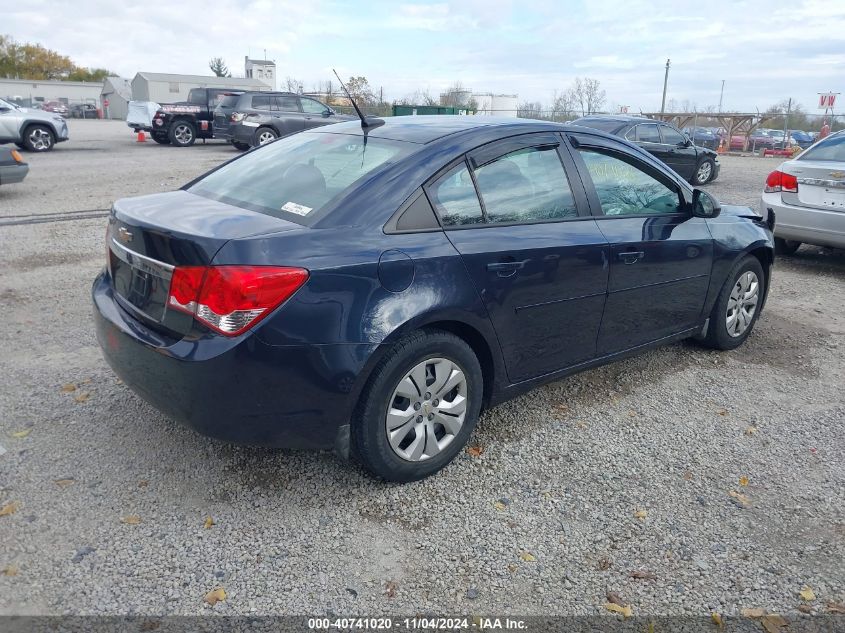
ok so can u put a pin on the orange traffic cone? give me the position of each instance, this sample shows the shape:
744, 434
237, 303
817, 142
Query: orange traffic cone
142, 138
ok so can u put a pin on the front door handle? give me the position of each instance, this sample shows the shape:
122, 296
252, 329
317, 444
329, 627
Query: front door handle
631, 257
506, 269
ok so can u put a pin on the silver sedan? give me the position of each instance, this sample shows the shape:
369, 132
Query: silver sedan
807, 195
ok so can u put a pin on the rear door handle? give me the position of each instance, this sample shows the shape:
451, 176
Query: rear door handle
506, 269
631, 257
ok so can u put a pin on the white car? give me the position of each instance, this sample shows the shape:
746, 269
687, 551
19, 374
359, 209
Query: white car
807, 195
34, 130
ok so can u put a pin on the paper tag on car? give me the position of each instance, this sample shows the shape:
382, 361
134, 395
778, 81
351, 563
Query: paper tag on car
298, 209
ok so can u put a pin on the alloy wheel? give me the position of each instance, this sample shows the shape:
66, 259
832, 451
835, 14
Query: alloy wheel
742, 303
266, 137
183, 134
427, 409
704, 172
40, 139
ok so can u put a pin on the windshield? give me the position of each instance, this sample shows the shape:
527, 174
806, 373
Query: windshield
832, 148
298, 175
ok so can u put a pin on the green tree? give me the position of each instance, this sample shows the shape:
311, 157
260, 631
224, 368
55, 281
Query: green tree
90, 74
32, 61
360, 90
218, 67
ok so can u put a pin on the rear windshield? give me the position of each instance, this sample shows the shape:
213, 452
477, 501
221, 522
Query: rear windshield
296, 176
831, 148
600, 124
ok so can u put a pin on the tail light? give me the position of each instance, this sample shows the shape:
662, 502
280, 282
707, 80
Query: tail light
237, 116
232, 299
781, 181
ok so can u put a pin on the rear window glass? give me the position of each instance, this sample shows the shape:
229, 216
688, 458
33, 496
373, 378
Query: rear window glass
229, 101
296, 176
600, 124
831, 148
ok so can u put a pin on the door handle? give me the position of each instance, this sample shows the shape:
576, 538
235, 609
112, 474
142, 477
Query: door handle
631, 257
506, 269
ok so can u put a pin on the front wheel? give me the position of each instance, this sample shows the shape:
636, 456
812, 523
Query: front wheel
704, 172
419, 408
182, 134
38, 138
738, 306
786, 247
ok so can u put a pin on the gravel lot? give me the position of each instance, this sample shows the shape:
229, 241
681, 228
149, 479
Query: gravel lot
626, 468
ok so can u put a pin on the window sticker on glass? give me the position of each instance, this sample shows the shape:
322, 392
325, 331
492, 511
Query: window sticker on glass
298, 209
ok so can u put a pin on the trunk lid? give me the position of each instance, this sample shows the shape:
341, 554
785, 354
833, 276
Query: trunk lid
821, 184
150, 235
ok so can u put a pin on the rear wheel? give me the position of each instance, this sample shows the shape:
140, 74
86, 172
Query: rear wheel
264, 135
786, 247
738, 306
160, 138
38, 138
703, 172
419, 408
182, 134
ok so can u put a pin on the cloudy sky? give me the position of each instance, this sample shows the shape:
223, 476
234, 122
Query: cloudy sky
765, 50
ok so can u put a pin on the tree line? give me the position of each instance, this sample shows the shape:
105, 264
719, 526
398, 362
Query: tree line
33, 61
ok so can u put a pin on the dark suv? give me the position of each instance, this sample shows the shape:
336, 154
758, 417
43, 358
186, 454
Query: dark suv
256, 118
697, 165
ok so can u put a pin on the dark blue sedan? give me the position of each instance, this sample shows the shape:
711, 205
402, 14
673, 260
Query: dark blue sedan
372, 289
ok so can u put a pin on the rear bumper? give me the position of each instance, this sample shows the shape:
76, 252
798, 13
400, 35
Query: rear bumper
11, 174
240, 133
805, 224
239, 390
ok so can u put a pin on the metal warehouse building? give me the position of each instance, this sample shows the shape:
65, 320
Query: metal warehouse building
25, 92
116, 95
167, 88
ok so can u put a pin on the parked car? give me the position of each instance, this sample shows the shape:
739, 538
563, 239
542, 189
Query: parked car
703, 137
807, 195
373, 288
56, 107
801, 139
698, 165
84, 111
13, 169
34, 130
182, 123
259, 118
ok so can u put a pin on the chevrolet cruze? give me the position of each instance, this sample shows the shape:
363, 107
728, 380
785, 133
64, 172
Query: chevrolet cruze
372, 287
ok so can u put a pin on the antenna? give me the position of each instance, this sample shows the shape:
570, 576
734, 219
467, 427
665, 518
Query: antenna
374, 122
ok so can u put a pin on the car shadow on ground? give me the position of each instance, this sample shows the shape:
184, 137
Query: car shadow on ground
814, 259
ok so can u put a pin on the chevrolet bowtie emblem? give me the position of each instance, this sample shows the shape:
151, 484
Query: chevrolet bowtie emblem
124, 235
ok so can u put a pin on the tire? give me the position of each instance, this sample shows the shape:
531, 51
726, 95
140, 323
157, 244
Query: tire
704, 172
722, 332
786, 247
182, 134
38, 138
241, 146
160, 138
439, 446
264, 135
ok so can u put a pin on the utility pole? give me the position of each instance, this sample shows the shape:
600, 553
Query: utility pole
665, 81
786, 124
721, 94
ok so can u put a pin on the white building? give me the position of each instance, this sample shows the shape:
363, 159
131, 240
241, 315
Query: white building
115, 97
496, 105
25, 92
167, 88
263, 69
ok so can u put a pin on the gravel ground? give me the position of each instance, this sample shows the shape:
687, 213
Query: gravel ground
638, 466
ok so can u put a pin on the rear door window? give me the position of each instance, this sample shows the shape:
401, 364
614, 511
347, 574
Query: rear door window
454, 197
286, 103
648, 133
528, 185
261, 102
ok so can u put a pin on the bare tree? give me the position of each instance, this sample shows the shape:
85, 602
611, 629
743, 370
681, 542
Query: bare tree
564, 104
456, 95
294, 85
530, 110
418, 97
589, 95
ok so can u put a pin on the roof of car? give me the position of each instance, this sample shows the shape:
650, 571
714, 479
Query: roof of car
427, 128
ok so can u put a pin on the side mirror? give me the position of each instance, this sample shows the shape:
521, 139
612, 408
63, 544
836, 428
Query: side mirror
704, 205
687, 142
328, 112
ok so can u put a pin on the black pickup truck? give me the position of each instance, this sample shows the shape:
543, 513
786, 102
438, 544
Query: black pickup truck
182, 123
